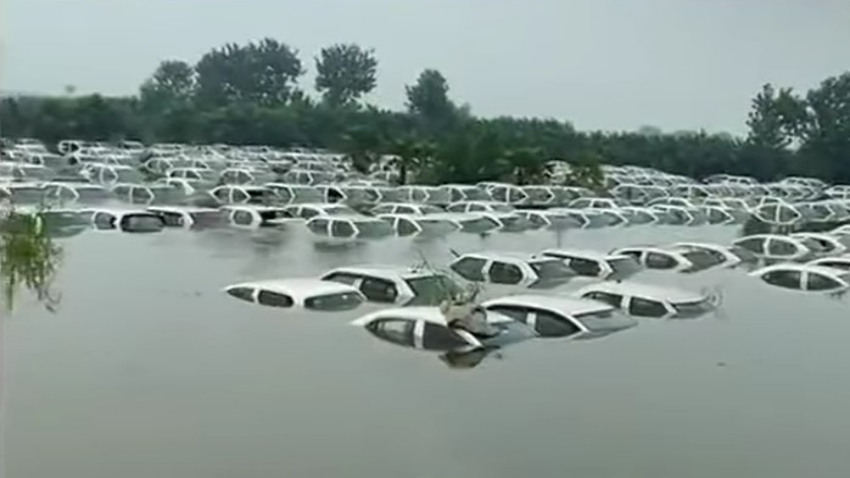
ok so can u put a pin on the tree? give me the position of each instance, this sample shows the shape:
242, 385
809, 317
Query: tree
529, 165
172, 83
363, 145
770, 125
344, 73
822, 123
411, 155
429, 100
261, 73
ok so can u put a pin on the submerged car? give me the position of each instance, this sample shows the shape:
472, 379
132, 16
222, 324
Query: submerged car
125, 220
559, 316
596, 264
349, 227
643, 300
805, 277
305, 294
512, 269
397, 285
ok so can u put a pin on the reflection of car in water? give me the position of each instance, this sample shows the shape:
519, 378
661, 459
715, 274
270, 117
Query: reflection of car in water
397, 285
304, 294
425, 328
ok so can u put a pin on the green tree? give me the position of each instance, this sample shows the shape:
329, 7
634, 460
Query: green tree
344, 73
363, 146
411, 156
263, 73
428, 99
528, 163
822, 123
173, 83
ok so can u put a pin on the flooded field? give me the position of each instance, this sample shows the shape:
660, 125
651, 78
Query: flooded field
149, 370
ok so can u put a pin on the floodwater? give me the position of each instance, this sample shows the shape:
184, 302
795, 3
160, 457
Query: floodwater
149, 370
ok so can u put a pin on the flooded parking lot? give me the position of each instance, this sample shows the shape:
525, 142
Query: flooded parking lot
149, 369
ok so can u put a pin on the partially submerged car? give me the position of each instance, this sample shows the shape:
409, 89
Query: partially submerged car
252, 216
559, 316
643, 300
777, 246
403, 286
805, 277
512, 269
414, 225
189, 217
829, 243
425, 328
292, 294
124, 220
349, 227
588, 263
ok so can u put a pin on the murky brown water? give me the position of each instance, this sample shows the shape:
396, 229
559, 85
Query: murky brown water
148, 370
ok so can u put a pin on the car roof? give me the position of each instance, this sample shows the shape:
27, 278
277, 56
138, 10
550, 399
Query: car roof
182, 209
584, 254
794, 266
648, 291
390, 272
559, 304
298, 288
429, 314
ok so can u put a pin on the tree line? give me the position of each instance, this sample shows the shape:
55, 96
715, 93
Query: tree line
250, 94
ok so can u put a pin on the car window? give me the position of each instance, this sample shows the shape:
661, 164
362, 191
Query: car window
318, 226
520, 314
647, 308
817, 281
334, 302
789, 279
470, 268
438, 337
222, 194
238, 196
243, 218
104, 220
752, 244
614, 300
657, 260
342, 229
780, 247
397, 331
171, 219
242, 293
547, 324
504, 273
274, 299
584, 267
342, 278
141, 195
406, 227
379, 290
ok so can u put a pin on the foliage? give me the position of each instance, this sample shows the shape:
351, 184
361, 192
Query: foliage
248, 94
344, 73
28, 258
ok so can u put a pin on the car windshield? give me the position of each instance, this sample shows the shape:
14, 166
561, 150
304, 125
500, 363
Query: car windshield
605, 320
501, 207
207, 175
479, 225
432, 290
210, 218
427, 209
333, 302
475, 194
374, 229
538, 194
813, 245
306, 195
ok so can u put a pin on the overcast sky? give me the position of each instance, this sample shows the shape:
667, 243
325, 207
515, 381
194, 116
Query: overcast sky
602, 64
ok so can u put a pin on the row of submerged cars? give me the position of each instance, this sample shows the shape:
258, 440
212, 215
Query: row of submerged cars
412, 300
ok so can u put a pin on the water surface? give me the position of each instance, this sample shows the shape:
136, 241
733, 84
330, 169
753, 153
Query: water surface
149, 370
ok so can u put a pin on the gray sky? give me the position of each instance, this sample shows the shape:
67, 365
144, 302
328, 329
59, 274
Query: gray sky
602, 64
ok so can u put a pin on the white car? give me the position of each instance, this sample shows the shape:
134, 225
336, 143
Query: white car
560, 316
725, 256
595, 264
777, 246
406, 208
805, 277
829, 243
425, 328
253, 216
124, 220
397, 285
512, 269
305, 294
643, 300
427, 225
311, 210
839, 262
349, 227
188, 217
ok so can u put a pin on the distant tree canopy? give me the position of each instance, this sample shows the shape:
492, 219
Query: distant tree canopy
250, 94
